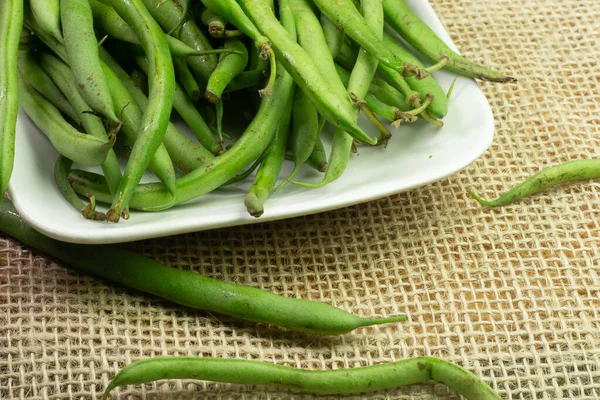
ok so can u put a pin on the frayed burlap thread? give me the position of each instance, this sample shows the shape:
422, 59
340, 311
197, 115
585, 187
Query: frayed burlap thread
512, 294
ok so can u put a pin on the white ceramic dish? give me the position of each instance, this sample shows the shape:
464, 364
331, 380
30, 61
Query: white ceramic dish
417, 155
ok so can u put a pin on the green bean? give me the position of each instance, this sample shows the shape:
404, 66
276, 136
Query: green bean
232, 11
140, 79
230, 65
188, 288
184, 76
47, 14
82, 51
109, 22
187, 110
388, 112
161, 84
185, 154
160, 163
245, 80
253, 142
369, 379
358, 85
11, 22
305, 132
439, 105
83, 149
169, 15
216, 23
424, 40
572, 171
270, 167
40, 81
336, 109
334, 36
61, 173
63, 77
345, 14
318, 157
312, 39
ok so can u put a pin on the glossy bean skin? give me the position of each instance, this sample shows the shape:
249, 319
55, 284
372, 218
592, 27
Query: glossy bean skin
344, 14
369, 379
216, 23
252, 143
424, 40
336, 109
11, 23
230, 66
571, 171
47, 13
169, 15
82, 148
110, 23
161, 84
82, 52
185, 154
62, 75
190, 114
186, 288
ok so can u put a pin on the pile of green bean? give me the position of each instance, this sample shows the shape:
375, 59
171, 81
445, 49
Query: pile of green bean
103, 79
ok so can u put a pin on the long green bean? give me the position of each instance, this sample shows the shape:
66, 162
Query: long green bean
11, 24
334, 382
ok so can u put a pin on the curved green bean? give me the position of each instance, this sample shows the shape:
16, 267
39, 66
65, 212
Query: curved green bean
345, 14
47, 14
216, 23
337, 110
571, 171
439, 106
188, 288
424, 40
82, 52
63, 77
169, 15
40, 81
318, 157
11, 24
190, 114
161, 84
253, 142
61, 177
333, 382
108, 21
83, 149
230, 66
232, 11
185, 154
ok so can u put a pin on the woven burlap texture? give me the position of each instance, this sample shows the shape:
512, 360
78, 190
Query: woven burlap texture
512, 294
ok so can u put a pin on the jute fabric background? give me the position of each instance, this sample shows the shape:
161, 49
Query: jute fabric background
512, 294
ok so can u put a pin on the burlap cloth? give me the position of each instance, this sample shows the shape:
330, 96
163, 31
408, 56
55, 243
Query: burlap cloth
513, 294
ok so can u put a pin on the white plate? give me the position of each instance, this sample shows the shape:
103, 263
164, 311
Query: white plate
417, 155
